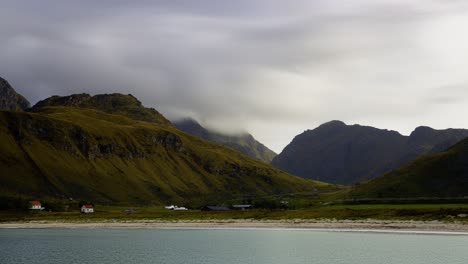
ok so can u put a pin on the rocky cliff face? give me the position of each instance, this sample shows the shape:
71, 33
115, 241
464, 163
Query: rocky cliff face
244, 143
338, 153
80, 143
9, 99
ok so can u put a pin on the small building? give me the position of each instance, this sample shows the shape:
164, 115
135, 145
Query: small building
241, 206
215, 208
175, 208
36, 205
87, 208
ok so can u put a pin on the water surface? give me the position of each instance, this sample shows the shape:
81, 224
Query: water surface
226, 246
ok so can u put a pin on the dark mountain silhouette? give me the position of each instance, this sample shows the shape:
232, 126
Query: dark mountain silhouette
347, 154
245, 143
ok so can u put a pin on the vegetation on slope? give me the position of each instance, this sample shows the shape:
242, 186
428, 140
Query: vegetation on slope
441, 174
83, 153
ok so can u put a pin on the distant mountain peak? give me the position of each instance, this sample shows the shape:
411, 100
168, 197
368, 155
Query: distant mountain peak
244, 143
333, 123
188, 121
346, 154
422, 130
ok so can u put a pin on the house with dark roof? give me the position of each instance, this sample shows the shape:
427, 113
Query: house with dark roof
215, 208
241, 206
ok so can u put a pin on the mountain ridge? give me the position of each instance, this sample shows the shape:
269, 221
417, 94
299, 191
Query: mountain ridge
80, 152
347, 154
245, 143
115, 103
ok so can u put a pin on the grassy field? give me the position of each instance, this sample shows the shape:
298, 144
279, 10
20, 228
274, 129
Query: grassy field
444, 212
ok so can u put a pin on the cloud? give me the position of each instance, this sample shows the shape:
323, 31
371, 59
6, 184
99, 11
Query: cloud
267, 67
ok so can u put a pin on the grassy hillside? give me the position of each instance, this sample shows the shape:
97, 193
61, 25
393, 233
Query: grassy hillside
82, 153
441, 174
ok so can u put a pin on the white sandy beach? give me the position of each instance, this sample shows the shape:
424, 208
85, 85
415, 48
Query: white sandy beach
331, 225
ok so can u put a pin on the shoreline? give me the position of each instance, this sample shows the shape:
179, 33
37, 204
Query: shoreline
369, 225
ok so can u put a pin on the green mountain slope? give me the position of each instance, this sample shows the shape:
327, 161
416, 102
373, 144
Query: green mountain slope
348, 154
441, 174
245, 143
84, 153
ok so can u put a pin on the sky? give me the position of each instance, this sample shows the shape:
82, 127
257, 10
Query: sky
272, 68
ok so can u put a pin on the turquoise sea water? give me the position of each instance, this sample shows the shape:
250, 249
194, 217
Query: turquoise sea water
226, 246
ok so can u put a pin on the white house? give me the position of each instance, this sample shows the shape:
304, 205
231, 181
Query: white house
87, 208
36, 205
175, 208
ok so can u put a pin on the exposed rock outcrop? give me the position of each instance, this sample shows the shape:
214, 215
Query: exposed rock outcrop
10, 100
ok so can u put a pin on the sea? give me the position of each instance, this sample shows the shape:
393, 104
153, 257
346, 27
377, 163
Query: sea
225, 246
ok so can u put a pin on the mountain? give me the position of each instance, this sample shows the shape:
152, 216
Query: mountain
440, 174
347, 154
245, 143
120, 104
10, 100
89, 147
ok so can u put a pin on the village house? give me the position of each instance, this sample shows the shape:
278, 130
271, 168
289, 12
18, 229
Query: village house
215, 208
36, 205
175, 208
87, 208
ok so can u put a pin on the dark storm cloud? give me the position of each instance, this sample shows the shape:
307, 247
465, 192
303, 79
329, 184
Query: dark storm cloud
274, 68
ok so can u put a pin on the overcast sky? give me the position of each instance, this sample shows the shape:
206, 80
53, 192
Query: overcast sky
273, 68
